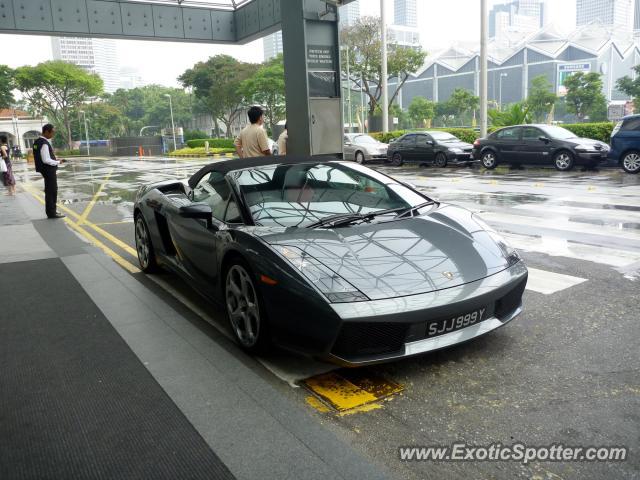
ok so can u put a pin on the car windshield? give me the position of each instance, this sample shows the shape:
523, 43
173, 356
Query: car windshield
559, 133
444, 137
303, 194
364, 140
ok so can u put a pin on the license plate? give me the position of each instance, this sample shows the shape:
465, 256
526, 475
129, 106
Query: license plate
454, 323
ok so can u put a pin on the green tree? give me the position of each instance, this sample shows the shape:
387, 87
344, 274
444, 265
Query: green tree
217, 85
104, 121
148, 105
462, 103
516, 114
631, 86
6, 87
266, 87
421, 111
584, 96
364, 51
541, 98
54, 88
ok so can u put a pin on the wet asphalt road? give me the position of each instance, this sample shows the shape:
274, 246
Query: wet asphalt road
566, 371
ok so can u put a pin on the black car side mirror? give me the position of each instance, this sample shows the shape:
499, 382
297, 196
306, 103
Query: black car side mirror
544, 139
200, 211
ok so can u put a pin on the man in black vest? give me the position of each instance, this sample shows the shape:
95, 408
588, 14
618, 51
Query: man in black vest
47, 165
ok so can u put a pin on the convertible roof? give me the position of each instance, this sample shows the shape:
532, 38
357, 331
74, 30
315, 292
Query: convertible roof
226, 166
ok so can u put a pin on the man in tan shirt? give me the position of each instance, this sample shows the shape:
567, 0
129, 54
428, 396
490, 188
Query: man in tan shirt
253, 140
282, 141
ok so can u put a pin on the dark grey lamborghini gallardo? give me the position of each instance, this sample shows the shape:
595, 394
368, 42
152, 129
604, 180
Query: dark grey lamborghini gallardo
330, 258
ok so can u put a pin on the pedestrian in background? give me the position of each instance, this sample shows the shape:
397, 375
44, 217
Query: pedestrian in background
253, 140
47, 164
282, 141
8, 178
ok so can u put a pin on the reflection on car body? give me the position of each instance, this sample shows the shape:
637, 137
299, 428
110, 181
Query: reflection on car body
361, 290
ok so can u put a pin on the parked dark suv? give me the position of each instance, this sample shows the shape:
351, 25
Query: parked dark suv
438, 148
625, 144
539, 145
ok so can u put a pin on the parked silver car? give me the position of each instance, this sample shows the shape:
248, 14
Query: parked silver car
362, 148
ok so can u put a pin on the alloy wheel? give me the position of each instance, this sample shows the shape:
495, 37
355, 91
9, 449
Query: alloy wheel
396, 160
360, 157
489, 160
563, 161
243, 306
631, 162
143, 246
441, 160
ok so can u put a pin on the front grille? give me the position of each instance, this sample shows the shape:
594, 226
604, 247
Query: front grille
506, 305
367, 338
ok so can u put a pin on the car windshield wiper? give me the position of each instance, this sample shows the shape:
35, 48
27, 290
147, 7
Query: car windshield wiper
410, 210
342, 219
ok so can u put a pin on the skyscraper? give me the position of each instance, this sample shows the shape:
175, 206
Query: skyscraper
405, 13
618, 13
404, 30
636, 17
519, 16
94, 55
349, 14
272, 45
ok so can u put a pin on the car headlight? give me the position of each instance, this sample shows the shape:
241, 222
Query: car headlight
510, 253
455, 150
585, 147
332, 285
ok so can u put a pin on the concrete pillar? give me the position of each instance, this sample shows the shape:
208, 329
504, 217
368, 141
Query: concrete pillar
312, 77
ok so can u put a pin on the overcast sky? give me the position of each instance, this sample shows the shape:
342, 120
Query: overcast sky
441, 23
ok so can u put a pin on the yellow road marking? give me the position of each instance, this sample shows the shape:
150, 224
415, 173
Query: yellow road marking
104, 233
121, 222
317, 404
117, 258
92, 203
350, 389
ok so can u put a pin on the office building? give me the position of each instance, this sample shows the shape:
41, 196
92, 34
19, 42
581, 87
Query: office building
94, 55
614, 13
405, 13
516, 17
272, 45
349, 14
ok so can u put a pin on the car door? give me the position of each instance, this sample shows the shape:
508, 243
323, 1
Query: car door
349, 148
533, 150
194, 241
506, 142
407, 147
424, 149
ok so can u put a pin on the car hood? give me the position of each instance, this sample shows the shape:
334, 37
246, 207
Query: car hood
372, 148
443, 249
462, 145
585, 141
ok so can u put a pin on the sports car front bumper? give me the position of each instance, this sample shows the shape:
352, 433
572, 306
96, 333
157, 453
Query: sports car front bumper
385, 330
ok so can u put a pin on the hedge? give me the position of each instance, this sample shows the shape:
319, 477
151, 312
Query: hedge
597, 131
200, 151
213, 143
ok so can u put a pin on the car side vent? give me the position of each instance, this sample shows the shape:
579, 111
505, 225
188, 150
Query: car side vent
163, 227
368, 338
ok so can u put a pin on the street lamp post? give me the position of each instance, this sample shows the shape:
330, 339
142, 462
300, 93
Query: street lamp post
86, 131
502, 75
484, 35
349, 94
383, 80
173, 127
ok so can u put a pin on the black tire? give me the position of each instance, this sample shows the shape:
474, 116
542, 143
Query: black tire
144, 246
359, 157
245, 308
440, 160
396, 159
564, 161
631, 162
489, 159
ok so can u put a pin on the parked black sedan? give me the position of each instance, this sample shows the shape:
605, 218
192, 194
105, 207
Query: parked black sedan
435, 147
539, 145
330, 258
